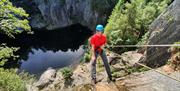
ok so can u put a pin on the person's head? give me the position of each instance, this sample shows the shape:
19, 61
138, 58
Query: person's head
99, 28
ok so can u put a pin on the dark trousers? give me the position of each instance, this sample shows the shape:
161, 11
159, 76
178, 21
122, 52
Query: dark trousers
105, 61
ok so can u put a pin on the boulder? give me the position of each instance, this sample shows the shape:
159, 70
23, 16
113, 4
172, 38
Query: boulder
46, 78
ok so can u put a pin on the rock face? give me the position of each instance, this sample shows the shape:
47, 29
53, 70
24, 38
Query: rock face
51, 14
150, 81
164, 30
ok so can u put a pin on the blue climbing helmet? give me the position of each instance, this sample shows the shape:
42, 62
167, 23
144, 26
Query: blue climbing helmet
99, 28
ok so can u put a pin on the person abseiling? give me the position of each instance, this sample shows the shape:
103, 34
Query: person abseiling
98, 41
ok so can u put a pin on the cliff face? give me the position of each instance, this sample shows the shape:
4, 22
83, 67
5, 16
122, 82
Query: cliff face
51, 14
164, 30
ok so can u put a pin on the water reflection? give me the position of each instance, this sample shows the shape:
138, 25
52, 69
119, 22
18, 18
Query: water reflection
55, 48
38, 60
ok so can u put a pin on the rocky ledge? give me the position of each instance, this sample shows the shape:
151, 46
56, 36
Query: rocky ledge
150, 80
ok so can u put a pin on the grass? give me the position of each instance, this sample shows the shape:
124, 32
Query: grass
136, 69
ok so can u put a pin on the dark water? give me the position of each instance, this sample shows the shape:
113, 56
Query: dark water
55, 48
39, 60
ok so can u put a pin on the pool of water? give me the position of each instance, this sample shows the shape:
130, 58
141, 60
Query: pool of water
49, 48
38, 60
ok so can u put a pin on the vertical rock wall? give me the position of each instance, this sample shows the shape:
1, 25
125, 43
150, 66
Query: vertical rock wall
164, 30
51, 14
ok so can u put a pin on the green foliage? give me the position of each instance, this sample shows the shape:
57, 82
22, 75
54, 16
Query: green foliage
12, 19
87, 53
144, 39
87, 57
67, 73
10, 81
137, 69
119, 74
175, 48
130, 20
27, 78
6, 53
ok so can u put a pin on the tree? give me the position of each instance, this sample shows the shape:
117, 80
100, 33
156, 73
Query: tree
12, 19
130, 20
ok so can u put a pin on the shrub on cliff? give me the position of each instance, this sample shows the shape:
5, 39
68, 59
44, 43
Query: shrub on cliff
10, 81
67, 73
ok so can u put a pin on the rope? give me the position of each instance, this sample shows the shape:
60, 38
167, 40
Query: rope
150, 68
162, 45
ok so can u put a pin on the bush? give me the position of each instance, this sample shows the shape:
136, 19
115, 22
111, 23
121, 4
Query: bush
67, 73
87, 57
6, 53
10, 81
87, 53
